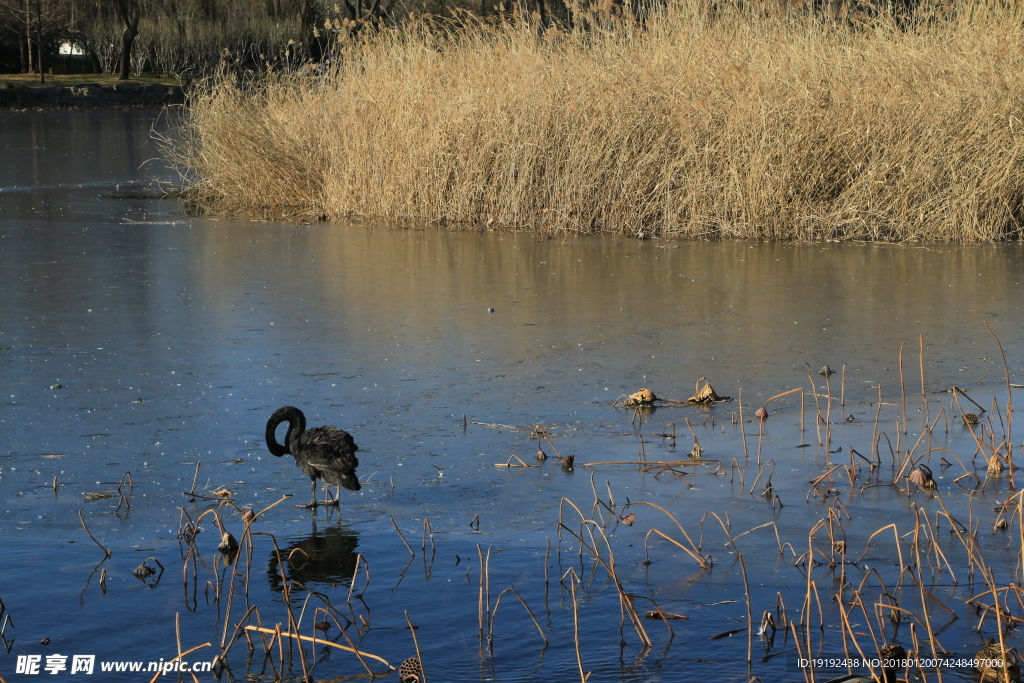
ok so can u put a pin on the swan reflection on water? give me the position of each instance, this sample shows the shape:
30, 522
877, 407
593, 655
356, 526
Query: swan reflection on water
327, 557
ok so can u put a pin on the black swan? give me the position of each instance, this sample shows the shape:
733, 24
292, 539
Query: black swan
326, 453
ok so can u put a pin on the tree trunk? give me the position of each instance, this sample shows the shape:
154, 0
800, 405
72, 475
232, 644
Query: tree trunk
39, 57
129, 11
127, 40
94, 61
28, 37
23, 54
39, 42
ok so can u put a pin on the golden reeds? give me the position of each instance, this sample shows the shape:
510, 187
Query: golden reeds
761, 125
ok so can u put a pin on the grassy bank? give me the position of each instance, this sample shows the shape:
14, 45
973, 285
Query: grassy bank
32, 80
772, 126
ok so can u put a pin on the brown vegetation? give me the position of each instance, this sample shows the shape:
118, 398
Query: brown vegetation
771, 126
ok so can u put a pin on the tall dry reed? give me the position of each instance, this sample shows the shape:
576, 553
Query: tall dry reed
751, 125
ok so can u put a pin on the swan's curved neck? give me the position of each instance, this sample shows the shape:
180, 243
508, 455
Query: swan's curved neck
296, 425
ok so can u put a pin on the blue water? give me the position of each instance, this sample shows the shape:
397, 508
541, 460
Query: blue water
173, 337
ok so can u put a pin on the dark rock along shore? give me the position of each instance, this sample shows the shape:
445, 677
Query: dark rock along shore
127, 94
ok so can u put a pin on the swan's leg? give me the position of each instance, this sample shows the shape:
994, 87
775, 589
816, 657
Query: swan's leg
312, 503
331, 500
336, 502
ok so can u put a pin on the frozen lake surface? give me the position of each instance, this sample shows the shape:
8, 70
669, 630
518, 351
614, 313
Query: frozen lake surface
135, 338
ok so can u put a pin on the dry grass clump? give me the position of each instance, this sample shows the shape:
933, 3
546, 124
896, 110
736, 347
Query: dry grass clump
763, 125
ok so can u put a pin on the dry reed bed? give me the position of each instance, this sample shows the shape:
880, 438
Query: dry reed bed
737, 127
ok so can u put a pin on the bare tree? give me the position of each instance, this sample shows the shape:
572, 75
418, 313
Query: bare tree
129, 11
36, 23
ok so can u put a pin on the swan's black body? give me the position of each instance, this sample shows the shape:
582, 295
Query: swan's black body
325, 453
